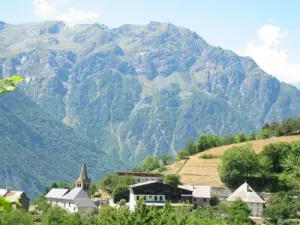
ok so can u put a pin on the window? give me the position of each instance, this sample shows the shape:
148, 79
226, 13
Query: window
138, 180
155, 198
69, 204
150, 196
204, 199
137, 197
160, 198
74, 209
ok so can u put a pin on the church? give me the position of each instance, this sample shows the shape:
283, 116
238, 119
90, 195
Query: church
75, 200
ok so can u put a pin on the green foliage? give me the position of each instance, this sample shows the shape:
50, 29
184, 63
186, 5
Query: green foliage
214, 201
150, 163
120, 192
111, 181
208, 156
9, 84
181, 155
238, 164
282, 206
228, 140
122, 202
205, 142
172, 179
16, 217
241, 137
239, 213
165, 160
168, 215
4, 205
275, 155
40, 136
251, 136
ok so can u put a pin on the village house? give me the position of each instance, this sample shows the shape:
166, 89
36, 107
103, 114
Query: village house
248, 195
18, 199
156, 194
201, 194
142, 177
77, 199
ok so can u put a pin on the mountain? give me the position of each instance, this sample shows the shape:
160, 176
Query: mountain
37, 149
140, 89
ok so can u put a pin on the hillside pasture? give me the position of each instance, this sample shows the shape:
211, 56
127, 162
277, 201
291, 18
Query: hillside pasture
205, 172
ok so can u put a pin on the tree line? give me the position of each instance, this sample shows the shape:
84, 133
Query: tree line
274, 129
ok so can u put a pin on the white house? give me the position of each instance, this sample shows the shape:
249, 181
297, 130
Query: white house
140, 177
248, 195
75, 200
201, 194
156, 194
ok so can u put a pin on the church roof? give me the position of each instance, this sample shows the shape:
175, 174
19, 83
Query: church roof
83, 174
246, 194
75, 193
79, 197
56, 193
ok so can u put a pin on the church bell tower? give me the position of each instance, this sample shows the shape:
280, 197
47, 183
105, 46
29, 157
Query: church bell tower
83, 181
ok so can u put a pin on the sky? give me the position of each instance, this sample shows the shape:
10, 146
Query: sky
266, 30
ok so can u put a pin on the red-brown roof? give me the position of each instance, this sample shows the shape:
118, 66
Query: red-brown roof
139, 174
11, 193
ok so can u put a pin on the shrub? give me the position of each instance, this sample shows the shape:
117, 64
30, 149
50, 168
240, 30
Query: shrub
208, 156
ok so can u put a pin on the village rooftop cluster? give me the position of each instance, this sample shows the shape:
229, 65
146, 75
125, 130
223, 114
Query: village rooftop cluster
148, 186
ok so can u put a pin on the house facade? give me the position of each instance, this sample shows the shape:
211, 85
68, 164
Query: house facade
16, 197
140, 177
201, 194
248, 195
156, 194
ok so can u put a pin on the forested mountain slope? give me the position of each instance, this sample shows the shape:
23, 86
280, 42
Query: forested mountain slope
37, 150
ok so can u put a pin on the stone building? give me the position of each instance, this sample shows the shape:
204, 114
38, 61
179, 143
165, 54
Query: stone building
83, 181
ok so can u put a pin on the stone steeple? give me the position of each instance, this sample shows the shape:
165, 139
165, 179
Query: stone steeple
83, 181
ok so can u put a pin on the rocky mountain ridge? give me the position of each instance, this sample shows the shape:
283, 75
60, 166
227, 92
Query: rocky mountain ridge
141, 89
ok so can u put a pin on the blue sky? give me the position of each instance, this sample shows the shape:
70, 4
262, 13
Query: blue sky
266, 30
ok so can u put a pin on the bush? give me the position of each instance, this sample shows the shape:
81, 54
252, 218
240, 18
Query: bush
208, 156
120, 192
172, 179
122, 202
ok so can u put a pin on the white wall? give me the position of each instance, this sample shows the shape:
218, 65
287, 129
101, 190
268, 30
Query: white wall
133, 198
256, 208
71, 207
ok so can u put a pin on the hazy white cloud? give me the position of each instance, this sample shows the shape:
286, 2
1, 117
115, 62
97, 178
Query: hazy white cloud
43, 8
54, 9
270, 56
74, 15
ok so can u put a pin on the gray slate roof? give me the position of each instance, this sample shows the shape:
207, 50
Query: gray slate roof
75, 193
56, 193
79, 197
198, 191
246, 194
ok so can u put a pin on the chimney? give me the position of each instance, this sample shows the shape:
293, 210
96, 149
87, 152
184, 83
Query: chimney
8, 188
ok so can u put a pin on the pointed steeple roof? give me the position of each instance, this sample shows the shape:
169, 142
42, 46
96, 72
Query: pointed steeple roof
83, 174
246, 194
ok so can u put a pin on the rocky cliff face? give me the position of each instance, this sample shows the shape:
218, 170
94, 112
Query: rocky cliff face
137, 90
